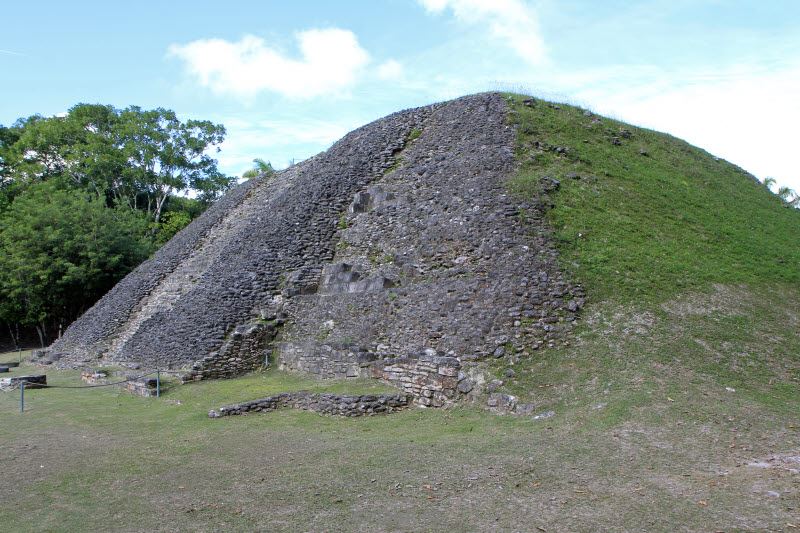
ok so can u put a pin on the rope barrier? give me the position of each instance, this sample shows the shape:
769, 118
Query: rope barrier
17, 384
21, 384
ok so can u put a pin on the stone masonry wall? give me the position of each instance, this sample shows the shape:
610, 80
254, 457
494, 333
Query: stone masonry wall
432, 381
227, 266
398, 254
244, 351
433, 257
323, 403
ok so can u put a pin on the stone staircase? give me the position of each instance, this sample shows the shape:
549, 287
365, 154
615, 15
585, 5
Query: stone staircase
183, 279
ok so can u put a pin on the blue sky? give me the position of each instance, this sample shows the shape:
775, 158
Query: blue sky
289, 78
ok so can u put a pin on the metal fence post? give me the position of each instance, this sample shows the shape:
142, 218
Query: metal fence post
21, 396
158, 383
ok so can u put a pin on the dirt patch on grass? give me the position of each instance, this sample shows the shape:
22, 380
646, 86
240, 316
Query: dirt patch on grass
789, 462
725, 300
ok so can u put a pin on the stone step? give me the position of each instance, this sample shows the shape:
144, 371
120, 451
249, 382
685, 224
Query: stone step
180, 281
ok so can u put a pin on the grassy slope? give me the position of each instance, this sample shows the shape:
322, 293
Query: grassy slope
690, 264
637, 227
692, 276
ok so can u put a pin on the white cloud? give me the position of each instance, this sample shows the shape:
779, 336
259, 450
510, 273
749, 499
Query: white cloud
390, 70
510, 21
330, 62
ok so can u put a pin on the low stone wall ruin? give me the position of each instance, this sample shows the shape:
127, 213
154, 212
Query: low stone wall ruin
147, 387
323, 403
431, 380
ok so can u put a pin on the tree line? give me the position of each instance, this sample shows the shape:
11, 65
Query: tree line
86, 197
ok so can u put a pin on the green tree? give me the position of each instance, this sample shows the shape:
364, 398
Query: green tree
86, 196
60, 250
9, 188
178, 213
166, 156
129, 157
260, 168
171, 223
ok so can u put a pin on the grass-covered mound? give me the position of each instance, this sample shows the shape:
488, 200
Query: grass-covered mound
641, 215
691, 265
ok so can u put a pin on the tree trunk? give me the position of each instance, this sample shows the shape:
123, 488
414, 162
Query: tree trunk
40, 331
14, 338
157, 211
159, 206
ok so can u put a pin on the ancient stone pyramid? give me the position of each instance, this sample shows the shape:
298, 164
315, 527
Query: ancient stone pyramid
398, 254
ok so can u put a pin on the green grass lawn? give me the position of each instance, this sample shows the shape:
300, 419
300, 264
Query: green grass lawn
645, 437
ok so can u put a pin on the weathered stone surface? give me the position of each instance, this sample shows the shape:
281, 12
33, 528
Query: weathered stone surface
465, 386
428, 378
146, 387
502, 403
93, 377
384, 256
219, 272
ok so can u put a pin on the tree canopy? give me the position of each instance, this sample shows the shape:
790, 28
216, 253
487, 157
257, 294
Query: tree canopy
60, 250
131, 156
85, 197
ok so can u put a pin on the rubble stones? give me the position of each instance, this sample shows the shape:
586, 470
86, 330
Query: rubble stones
146, 387
502, 403
465, 386
493, 385
93, 377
